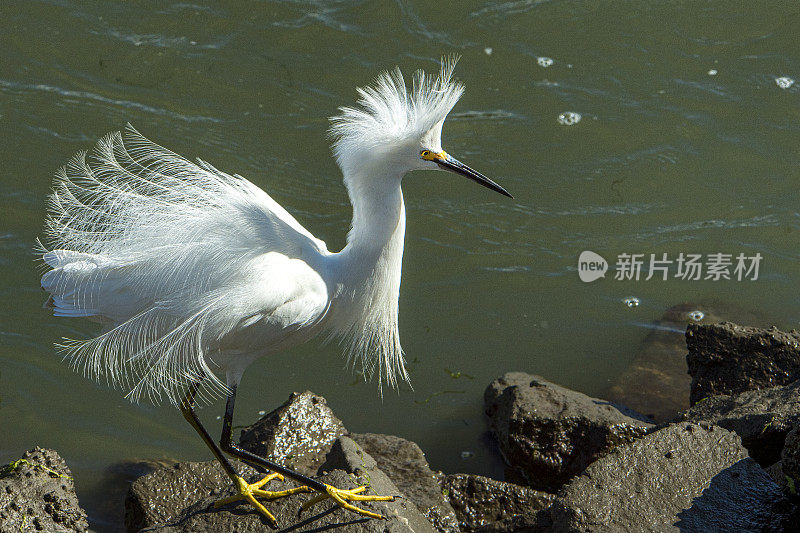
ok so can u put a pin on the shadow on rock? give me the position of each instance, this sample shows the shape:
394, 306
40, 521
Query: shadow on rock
739, 498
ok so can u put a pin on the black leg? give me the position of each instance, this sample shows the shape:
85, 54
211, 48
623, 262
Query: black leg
246, 491
187, 408
227, 444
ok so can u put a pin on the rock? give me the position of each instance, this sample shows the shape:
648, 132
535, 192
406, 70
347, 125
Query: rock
484, 504
729, 359
348, 456
160, 496
761, 418
297, 435
181, 499
548, 434
775, 473
657, 381
242, 518
405, 464
37, 493
790, 456
111, 492
686, 477
457, 502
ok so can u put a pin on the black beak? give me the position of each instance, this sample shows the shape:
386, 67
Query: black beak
452, 164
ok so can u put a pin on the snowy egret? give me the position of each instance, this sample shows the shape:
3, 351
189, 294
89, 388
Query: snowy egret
195, 273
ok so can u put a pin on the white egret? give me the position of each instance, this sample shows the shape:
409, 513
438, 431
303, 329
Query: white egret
195, 273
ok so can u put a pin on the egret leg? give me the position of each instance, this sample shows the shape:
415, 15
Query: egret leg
247, 491
342, 497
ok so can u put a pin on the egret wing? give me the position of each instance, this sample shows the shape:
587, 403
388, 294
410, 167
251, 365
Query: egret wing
150, 242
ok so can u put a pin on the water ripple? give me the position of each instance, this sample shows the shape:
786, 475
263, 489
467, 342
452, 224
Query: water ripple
752, 222
23, 88
504, 9
495, 114
158, 40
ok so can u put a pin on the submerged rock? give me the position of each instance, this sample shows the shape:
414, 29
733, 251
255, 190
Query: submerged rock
37, 493
113, 489
657, 381
484, 504
548, 434
686, 477
728, 359
297, 435
761, 418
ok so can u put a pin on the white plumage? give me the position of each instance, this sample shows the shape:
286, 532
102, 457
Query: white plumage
196, 272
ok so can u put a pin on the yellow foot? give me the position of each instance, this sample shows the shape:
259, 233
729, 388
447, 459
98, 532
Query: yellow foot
251, 491
342, 497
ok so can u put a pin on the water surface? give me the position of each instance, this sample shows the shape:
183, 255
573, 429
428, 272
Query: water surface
686, 143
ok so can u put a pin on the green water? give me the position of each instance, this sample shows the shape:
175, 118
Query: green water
686, 144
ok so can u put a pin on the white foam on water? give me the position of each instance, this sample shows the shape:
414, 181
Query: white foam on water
569, 118
631, 301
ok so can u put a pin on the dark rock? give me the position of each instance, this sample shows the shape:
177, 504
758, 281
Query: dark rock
548, 433
520, 524
183, 499
762, 418
686, 477
160, 496
776, 474
37, 493
657, 381
324, 516
296, 435
790, 456
484, 504
729, 359
405, 464
348, 456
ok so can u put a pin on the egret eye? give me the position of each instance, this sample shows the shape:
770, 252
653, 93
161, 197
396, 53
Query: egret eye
425, 154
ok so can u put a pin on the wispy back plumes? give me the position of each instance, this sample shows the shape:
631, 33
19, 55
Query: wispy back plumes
157, 247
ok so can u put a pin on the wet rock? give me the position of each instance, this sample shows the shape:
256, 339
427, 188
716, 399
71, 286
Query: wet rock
405, 464
160, 496
37, 493
297, 435
790, 456
346, 455
242, 518
181, 499
548, 434
728, 359
775, 473
686, 477
761, 418
484, 504
657, 381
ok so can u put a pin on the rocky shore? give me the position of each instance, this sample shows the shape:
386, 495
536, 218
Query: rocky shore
730, 462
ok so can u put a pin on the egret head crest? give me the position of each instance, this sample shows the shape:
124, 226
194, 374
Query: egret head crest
390, 116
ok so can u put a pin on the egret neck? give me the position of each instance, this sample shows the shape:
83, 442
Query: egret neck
372, 258
366, 273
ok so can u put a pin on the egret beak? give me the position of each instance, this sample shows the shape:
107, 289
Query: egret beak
448, 162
